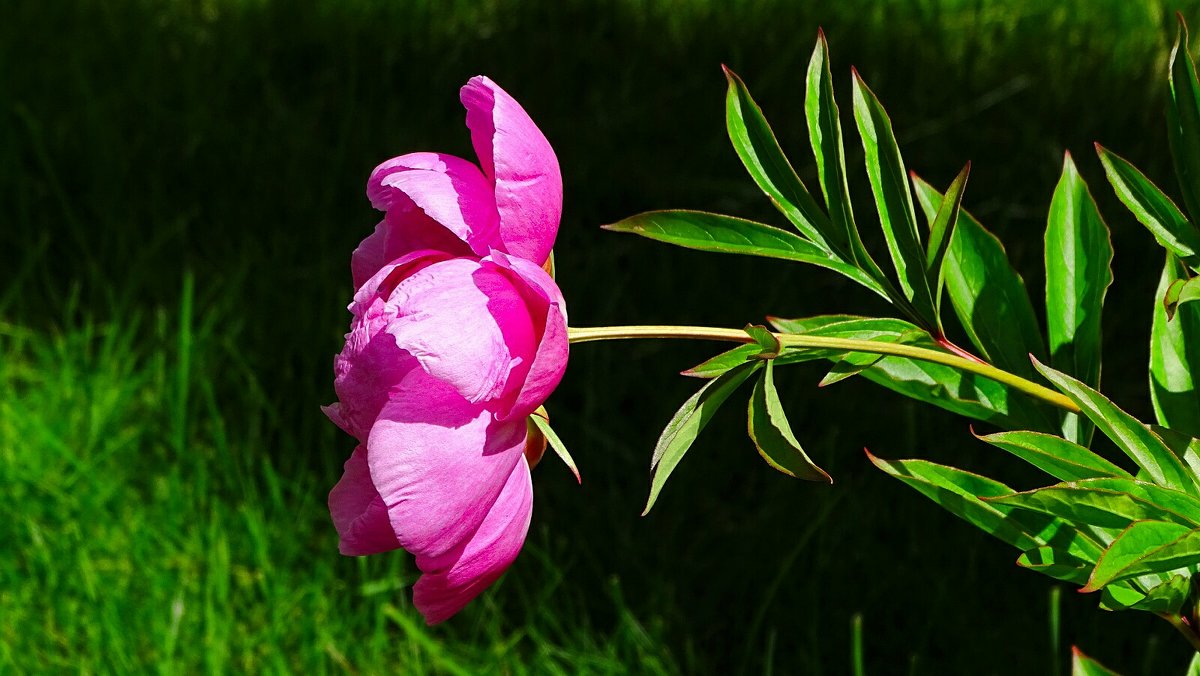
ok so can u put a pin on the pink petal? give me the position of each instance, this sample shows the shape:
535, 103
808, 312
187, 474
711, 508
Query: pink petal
519, 160
439, 463
541, 374
443, 591
450, 190
403, 230
358, 512
466, 324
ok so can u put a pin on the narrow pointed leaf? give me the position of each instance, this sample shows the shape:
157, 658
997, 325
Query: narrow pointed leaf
687, 423
1151, 207
1108, 503
1183, 121
1167, 597
1078, 274
1057, 564
825, 134
1061, 459
987, 294
1180, 292
1146, 547
1185, 446
1131, 436
726, 234
1174, 358
556, 443
848, 367
758, 149
941, 229
1082, 665
772, 434
960, 493
889, 184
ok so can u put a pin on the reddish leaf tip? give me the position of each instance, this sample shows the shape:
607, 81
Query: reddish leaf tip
1100, 150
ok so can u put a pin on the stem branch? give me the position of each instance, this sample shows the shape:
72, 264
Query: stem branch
1184, 628
789, 340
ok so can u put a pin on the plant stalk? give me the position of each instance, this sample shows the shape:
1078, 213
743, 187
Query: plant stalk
789, 340
1184, 628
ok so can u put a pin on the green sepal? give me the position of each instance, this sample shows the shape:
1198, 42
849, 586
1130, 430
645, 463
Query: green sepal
560, 449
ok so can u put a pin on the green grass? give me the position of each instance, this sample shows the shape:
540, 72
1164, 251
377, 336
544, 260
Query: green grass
180, 188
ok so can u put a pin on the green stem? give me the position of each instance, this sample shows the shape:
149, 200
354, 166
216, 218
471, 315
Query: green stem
1184, 628
585, 335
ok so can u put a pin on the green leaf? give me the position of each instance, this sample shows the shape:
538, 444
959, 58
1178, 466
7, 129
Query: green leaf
1057, 564
825, 134
1174, 357
988, 295
1061, 459
960, 493
726, 234
767, 342
1146, 547
1185, 446
889, 184
1180, 292
1183, 121
1131, 436
848, 367
1082, 665
1149, 205
758, 149
1108, 503
941, 230
1167, 597
1078, 273
772, 435
559, 447
687, 423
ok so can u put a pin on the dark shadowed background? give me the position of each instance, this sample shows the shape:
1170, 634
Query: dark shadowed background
181, 184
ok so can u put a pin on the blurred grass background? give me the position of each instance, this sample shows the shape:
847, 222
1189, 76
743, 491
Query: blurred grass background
181, 183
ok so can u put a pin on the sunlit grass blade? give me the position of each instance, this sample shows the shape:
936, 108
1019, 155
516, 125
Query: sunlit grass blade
1151, 207
1134, 438
726, 234
1058, 457
687, 423
759, 151
1183, 121
768, 427
941, 229
987, 294
1108, 503
825, 134
893, 200
1146, 547
1078, 273
1175, 357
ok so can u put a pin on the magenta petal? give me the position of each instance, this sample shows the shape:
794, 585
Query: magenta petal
439, 463
443, 591
450, 190
516, 156
402, 231
358, 512
541, 374
465, 323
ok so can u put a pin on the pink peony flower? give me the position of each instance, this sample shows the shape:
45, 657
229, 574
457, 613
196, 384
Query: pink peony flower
458, 335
